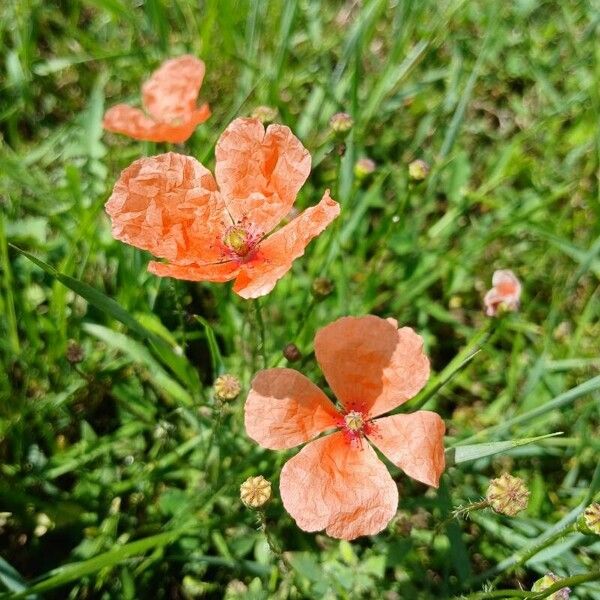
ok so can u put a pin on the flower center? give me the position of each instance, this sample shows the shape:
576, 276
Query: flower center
238, 240
354, 420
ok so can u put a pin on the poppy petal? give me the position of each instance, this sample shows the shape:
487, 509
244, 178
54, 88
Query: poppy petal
341, 488
414, 443
171, 92
285, 409
276, 254
133, 123
370, 364
169, 204
216, 272
260, 173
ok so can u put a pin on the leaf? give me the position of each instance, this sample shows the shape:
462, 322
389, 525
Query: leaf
468, 453
178, 364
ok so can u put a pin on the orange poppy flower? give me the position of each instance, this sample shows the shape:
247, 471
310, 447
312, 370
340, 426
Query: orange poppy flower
169, 98
337, 482
171, 205
506, 292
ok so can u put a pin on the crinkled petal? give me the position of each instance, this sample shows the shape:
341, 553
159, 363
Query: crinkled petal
216, 272
133, 123
370, 364
171, 92
341, 488
275, 255
414, 443
260, 173
285, 409
170, 206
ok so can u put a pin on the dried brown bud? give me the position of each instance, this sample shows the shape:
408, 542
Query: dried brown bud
75, 352
589, 522
418, 170
291, 352
507, 495
322, 287
227, 387
255, 492
547, 581
265, 114
341, 122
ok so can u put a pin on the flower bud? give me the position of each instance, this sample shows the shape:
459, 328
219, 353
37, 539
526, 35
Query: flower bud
364, 167
292, 353
255, 492
341, 122
418, 170
265, 114
322, 287
507, 495
589, 522
547, 581
227, 387
75, 352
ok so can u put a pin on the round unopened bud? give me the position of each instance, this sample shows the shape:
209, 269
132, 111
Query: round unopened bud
341, 122
418, 170
227, 387
589, 521
265, 114
507, 495
255, 492
547, 581
322, 287
291, 352
75, 352
364, 167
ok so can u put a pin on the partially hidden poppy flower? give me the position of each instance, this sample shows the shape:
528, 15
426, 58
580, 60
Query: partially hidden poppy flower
169, 99
337, 482
172, 206
505, 293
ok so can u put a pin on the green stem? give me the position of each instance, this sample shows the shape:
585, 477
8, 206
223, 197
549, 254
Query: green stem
11, 317
261, 332
559, 585
272, 542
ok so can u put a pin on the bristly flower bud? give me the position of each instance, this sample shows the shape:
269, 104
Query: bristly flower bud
589, 522
255, 492
75, 352
227, 387
547, 581
507, 495
291, 352
341, 122
265, 114
364, 167
322, 287
418, 170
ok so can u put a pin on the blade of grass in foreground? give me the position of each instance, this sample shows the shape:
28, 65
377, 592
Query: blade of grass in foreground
177, 364
71, 572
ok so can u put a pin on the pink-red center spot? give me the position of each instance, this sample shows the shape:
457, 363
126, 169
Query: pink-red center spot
355, 424
240, 242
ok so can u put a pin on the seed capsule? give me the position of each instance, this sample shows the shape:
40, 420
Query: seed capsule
255, 492
227, 387
507, 495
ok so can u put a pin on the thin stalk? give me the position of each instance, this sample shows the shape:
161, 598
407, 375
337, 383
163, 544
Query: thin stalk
272, 542
261, 332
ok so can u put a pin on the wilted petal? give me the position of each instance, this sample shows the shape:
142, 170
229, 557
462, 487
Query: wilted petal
216, 272
341, 488
169, 205
506, 291
171, 92
371, 365
413, 442
260, 173
285, 409
276, 254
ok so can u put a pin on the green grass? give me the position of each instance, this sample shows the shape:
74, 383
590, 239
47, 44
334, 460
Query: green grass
120, 479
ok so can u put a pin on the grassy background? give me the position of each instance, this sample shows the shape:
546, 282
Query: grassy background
120, 479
